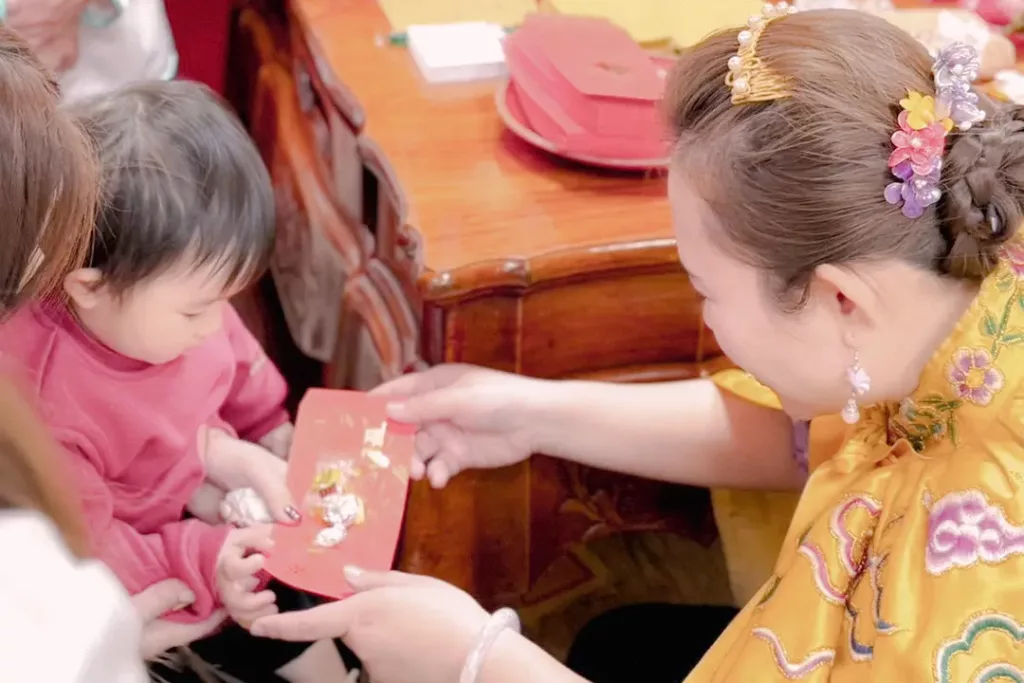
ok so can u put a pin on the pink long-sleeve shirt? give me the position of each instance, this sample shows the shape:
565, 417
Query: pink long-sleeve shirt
131, 435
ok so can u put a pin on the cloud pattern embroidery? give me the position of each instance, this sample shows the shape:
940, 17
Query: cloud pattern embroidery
964, 528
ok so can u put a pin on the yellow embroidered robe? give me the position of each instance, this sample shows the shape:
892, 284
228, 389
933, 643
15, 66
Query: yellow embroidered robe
905, 558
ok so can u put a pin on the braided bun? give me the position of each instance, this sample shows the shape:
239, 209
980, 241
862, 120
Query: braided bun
983, 199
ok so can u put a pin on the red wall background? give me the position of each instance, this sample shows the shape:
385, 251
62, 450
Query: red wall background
201, 29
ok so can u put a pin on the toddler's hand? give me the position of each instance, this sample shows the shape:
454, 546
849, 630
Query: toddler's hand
239, 561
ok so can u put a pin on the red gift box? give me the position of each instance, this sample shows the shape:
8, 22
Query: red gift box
587, 86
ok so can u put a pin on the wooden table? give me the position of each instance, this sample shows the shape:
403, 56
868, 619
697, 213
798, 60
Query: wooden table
416, 230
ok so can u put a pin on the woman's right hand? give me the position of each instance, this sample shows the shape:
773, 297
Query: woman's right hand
467, 417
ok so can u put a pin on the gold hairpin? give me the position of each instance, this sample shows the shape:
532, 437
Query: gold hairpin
748, 78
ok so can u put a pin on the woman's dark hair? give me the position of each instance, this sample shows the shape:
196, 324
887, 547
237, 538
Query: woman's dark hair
49, 186
798, 182
182, 180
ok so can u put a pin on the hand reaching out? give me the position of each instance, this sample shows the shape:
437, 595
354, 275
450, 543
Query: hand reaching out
467, 417
404, 628
239, 561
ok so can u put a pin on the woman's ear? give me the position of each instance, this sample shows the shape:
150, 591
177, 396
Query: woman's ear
84, 286
850, 298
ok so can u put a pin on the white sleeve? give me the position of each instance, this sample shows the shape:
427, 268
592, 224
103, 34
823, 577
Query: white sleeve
137, 45
62, 620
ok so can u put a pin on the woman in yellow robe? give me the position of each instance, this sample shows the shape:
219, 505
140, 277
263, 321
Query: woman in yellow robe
851, 218
907, 546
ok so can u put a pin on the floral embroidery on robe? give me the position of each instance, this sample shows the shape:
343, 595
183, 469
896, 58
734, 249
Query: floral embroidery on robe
905, 557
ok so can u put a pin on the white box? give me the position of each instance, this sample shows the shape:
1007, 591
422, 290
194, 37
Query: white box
448, 53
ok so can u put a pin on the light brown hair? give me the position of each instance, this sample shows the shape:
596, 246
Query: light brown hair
49, 179
49, 186
798, 182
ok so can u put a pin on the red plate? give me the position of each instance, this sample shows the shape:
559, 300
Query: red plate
334, 426
514, 118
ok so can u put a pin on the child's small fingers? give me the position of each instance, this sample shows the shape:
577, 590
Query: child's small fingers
251, 565
250, 602
249, 584
242, 568
245, 619
256, 537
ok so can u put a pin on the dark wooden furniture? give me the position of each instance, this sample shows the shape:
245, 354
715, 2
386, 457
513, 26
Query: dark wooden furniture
415, 230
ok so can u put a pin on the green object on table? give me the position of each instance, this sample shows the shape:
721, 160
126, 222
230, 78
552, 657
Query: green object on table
401, 38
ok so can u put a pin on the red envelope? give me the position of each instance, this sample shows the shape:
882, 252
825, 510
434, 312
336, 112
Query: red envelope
351, 429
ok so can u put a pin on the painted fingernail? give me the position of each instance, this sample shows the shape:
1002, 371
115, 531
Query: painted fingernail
293, 514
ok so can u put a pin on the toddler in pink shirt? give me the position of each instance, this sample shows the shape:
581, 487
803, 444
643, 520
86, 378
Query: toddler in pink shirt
152, 383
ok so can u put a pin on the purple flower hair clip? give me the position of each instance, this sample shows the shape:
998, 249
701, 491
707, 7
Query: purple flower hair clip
924, 124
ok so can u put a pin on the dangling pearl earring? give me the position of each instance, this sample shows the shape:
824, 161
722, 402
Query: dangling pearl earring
860, 383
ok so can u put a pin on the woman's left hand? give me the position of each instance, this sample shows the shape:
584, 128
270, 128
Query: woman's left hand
159, 635
405, 628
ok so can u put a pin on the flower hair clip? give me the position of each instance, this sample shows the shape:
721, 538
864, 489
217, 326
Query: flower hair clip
748, 78
924, 125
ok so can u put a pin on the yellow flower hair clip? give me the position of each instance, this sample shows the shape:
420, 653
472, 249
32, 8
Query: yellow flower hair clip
921, 111
924, 124
748, 78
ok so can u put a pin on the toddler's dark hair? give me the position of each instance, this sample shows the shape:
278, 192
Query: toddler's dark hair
799, 182
182, 182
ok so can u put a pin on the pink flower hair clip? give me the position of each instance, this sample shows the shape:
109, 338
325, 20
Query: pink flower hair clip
924, 124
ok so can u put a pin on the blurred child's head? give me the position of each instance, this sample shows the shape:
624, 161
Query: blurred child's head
187, 222
780, 212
